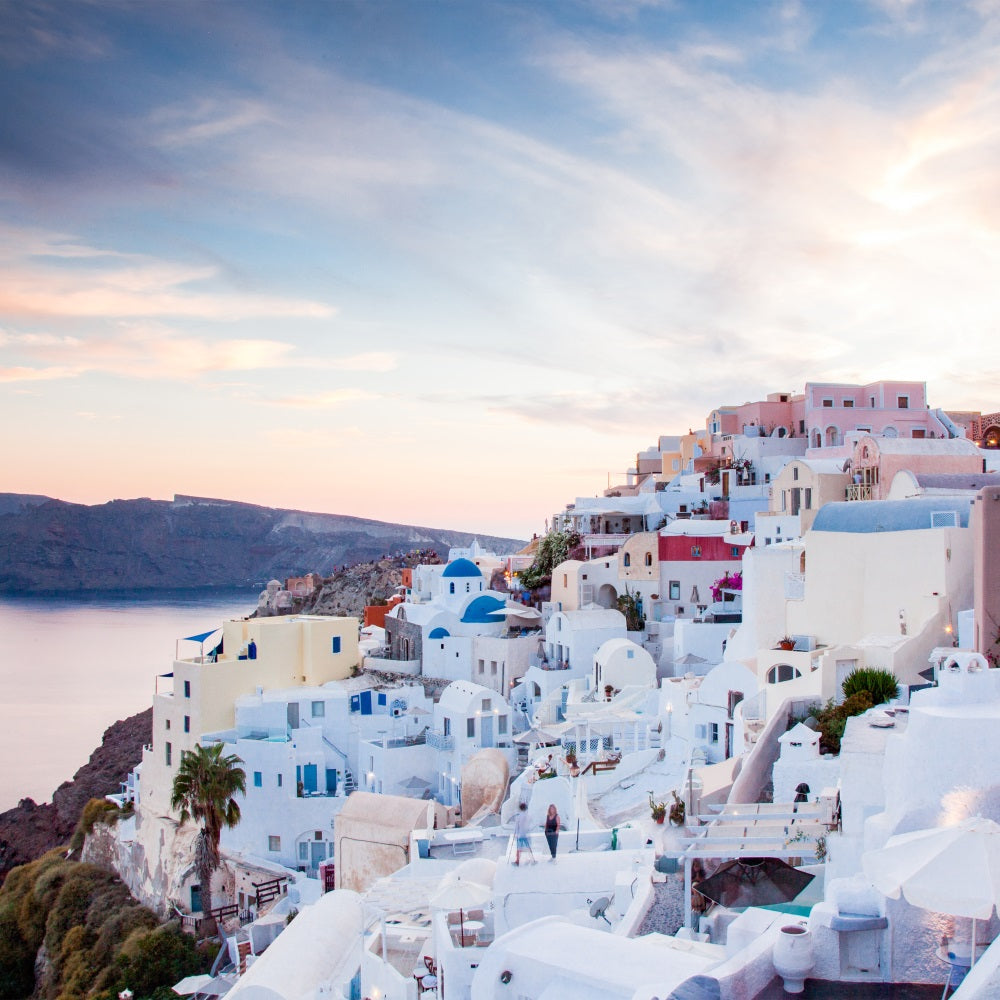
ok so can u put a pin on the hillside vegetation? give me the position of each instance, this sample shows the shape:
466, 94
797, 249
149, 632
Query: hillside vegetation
71, 931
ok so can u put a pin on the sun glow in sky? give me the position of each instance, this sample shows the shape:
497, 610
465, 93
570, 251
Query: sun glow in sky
453, 263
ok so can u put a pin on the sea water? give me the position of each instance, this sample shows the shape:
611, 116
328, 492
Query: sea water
70, 666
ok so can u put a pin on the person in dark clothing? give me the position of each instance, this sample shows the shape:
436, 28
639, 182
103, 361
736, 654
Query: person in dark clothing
552, 826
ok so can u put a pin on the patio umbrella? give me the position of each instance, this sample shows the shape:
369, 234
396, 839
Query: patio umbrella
951, 869
191, 984
414, 783
459, 894
535, 735
753, 882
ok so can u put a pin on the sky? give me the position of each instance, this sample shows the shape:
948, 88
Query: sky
454, 263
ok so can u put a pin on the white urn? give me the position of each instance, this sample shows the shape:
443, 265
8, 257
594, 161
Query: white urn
793, 956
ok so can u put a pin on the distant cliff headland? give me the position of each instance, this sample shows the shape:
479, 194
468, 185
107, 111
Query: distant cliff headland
49, 546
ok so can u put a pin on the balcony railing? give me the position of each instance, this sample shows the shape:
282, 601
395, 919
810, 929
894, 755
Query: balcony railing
858, 491
438, 741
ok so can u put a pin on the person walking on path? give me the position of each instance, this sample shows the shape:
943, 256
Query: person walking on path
552, 827
522, 833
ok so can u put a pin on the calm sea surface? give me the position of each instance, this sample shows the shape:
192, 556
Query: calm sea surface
70, 666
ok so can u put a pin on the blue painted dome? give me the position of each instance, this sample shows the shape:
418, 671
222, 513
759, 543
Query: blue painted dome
478, 611
438, 633
462, 567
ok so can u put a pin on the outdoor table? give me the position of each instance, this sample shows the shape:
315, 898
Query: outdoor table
959, 965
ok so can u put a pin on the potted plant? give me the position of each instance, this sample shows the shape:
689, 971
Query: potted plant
786, 642
677, 811
658, 809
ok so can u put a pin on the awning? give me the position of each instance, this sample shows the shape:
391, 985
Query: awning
200, 638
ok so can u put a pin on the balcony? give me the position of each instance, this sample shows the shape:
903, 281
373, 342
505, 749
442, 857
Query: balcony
438, 741
858, 491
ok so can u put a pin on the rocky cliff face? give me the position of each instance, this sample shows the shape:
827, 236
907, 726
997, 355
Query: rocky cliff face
54, 546
28, 830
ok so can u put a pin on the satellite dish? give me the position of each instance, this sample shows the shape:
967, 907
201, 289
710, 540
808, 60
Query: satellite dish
598, 908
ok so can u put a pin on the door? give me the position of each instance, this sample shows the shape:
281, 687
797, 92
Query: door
309, 778
331, 781
486, 730
293, 714
844, 667
196, 899
317, 853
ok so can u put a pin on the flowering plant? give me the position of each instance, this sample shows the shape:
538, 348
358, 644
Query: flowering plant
728, 581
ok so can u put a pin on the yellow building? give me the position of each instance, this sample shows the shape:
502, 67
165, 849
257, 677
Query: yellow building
260, 653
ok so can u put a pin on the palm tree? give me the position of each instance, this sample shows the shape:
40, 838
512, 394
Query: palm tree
203, 790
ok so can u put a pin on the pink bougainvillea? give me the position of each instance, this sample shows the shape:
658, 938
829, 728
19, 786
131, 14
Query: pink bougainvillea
728, 581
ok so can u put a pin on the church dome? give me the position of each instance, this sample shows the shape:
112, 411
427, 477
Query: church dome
462, 567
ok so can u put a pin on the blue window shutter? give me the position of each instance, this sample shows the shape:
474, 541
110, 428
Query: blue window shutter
355, 703
381, 698
366, 703
258, 779
336, 643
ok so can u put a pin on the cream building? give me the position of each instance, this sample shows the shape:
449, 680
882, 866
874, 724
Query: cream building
291, 651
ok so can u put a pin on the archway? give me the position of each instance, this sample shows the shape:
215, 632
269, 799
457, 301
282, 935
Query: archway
991, 439
607, 596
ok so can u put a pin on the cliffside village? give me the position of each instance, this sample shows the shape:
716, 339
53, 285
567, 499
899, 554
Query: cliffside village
678, 696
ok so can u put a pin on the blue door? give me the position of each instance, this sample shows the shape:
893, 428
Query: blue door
196, 899
331, 781
309, 778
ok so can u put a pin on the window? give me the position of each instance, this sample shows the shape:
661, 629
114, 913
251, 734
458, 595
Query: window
451, 588
273, 843
695, 551
493, 668
784, 499
304, 851
447, 726
802, 426
827, 403
318, 710
675, 590
336, 643
902, 402
782, 672
168, 752
795, 472
629, 654
280, 779
470, 728
187, 723
502, 725
848, 404
809, 497
918, 432
317, 834
713, 732
695, 596
734, 551
258, 779
167, 725
565, 579
649, 558
187, 689
482, 665
628, 559
487, 705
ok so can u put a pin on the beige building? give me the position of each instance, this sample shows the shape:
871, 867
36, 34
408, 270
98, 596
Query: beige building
802, 487
373, 836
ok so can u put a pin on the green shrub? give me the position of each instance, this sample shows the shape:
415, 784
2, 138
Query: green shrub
832, 719
95, 811
882, 685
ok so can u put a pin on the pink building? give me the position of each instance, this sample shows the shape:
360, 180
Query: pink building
884, 409
875, 461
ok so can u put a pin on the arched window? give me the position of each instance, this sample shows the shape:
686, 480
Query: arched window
451, 587
628, 559
649, 558
782, 672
